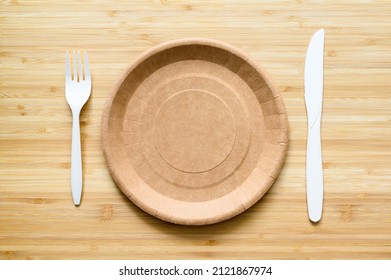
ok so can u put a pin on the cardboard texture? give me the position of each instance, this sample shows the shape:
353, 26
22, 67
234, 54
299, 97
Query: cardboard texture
194, 132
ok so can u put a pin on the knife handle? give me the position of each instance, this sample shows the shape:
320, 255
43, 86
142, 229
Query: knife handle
76, 166
314, 176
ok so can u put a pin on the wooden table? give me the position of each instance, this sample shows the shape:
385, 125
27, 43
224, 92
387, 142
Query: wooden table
37, 217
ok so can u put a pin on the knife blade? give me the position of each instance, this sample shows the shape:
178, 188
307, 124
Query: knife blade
313, 95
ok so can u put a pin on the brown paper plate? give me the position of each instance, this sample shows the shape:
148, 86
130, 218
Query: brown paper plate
194, 132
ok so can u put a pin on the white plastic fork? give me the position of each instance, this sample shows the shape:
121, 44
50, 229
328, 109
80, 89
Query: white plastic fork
77, 92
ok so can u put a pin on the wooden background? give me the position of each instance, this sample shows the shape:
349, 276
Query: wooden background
37, 217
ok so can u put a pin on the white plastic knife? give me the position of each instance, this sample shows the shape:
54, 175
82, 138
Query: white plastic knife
313, 87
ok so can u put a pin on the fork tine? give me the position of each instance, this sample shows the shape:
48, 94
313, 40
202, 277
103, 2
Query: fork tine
80, 67
67, 67
87, 74
74, 66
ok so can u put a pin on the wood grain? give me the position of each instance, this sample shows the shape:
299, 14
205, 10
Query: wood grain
37, 217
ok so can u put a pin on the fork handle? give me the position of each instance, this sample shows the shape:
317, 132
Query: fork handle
76, 166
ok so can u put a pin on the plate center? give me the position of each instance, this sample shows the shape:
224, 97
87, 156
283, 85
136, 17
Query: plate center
194, 131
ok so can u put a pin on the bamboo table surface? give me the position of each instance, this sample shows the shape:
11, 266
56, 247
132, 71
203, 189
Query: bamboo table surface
37, 217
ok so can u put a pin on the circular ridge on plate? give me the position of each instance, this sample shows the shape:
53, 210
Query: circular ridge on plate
194, 132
